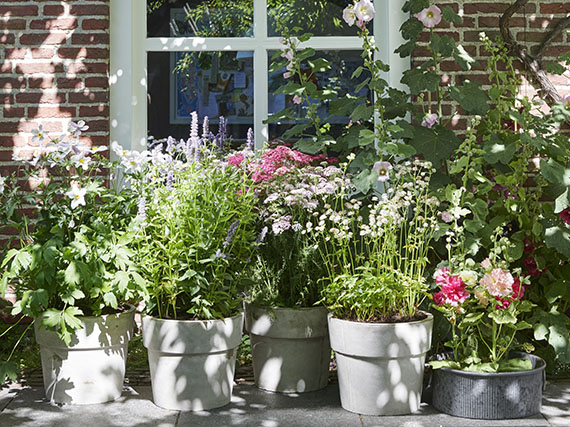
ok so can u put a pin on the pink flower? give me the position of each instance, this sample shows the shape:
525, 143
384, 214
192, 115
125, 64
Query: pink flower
518, 292
349, 16
566, 100
430, 16
453, 290
236, 159
383, 170
364, 10
486, 264
287, 75
446, 217
430, 120
565, 215
498, 282
297, 99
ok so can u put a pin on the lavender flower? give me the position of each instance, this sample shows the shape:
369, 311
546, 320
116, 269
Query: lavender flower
141, 214
206, 129
261, 235
250, 140
220, 254
194, 125
231, 232
170, 145
221, 136
169, 180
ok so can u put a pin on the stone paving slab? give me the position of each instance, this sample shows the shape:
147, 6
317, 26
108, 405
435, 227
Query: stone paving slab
26, 406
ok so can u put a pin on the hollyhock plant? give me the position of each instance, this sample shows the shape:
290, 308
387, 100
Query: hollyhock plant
430, 120
430, 16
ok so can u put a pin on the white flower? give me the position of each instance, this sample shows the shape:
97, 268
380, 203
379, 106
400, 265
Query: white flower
364, 10
55, 158
469, 277
77, 196
76, 128
430, 16
134, 161
80, 160
383, 170
39, 134
349, 16
2, 184
97, 148
17, 158
35, 157
430, 120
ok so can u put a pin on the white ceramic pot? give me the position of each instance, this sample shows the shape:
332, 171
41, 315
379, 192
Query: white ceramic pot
380, 365
290, 348
192, 362
92, 368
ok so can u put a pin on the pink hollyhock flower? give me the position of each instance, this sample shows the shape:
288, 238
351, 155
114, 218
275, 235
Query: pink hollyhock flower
486, 264
566, 100
236, 159
446, 217
565, 215
349, 16
364, 10
441, 276
383, 170
430, 16
297, 99
518, 293
528, 245
532, 267
429, 120
499, 282
453, 290
287, 75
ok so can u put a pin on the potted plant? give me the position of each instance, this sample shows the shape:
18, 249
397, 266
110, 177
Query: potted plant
195, 237
288, 332
375, 255
483, 302
73, 272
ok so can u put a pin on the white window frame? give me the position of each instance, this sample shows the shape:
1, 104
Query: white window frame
128, 61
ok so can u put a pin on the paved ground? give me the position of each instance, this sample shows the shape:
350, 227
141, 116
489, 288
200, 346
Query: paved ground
250, 407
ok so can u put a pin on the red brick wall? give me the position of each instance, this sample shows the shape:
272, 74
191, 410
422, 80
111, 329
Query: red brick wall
54, 66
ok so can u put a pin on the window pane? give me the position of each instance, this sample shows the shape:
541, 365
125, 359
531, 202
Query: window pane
339, 78
213, 84
202, 18
319, 17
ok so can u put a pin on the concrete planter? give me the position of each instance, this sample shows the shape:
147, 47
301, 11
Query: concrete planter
380, 365
290, 348
192, 362
490, 396
92, 368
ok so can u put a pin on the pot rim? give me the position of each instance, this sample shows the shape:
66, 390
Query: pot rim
130, 309
427, 319
532, 371
276, 308
158, 319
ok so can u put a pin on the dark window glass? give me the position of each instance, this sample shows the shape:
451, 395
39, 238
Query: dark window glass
202, 18
213, 84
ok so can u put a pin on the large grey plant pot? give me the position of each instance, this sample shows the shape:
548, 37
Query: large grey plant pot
92, 368
290, 348
380, 365
192, 362
490, 396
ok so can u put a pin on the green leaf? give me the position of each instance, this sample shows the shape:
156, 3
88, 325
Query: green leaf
553, 326
444, 45
558, 237
515, 365
365, 180
8, 369
286, 113
471, 97
362, 112
419, 81
110, 299
406, 49
305, 54
304, 37
70, 317
411, 29
435, 144
319, 65
498, 150
472, 318
554, 172
72, 274
366, 137
562, 201
502, 317
450, 16
438, 364
555, 68
309, 146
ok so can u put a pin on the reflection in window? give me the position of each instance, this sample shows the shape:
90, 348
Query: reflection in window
338, 78
202, 18
213, 84
319, 17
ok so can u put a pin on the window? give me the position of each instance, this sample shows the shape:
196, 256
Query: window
222, 50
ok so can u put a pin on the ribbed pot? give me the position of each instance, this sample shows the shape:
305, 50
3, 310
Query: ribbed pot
490, 396
380, 365
192, 362
290, 348
92, 368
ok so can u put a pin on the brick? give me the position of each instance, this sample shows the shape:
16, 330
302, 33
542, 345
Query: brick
18, 10
12, 141
52, 112
41, 98
92, 82
49, 125
54, 24
88, 97
89, 10
95, 24
90, 67
95, 38
13, 24
15, 53
493, 22
37, 39
535, 37
473, 36
555, 8
5, 67
69, 83
98, 125
98, 111
40, 82
7, 39
14, 112
53, 10
475, 8
90, 53
39, 67
12, 82
43, 53
6, 98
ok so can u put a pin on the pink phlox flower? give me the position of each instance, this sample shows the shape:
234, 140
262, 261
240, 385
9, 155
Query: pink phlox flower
236, 159
430, 16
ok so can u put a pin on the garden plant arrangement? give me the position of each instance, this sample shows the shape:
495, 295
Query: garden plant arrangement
373, 238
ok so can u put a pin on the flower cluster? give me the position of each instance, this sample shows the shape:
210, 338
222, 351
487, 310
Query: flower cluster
361, 11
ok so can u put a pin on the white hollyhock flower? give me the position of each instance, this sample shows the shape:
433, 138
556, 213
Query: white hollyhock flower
77, 196
364, 10
349, 16
383, 170
430, 16
2, 184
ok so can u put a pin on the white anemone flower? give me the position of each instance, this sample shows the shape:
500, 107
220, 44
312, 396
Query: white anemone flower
39, 134
80, 160
77, 196
56, 158
76, 128
97, 148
